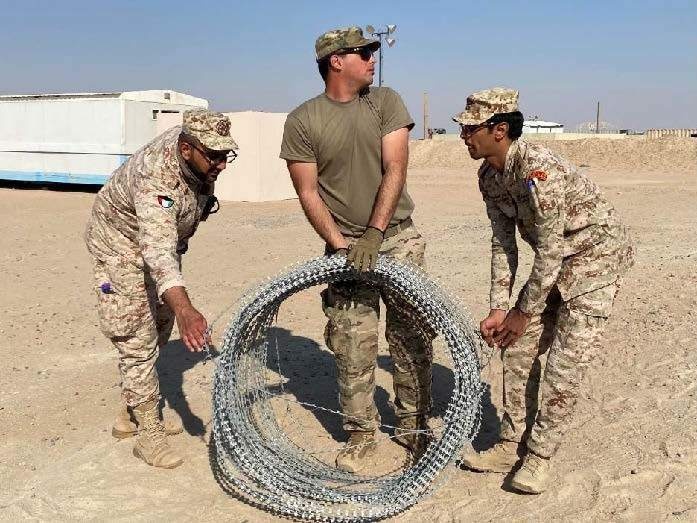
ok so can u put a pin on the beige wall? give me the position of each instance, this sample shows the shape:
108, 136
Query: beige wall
258, 174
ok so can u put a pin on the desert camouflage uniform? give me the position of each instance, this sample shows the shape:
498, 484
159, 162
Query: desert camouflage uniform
140, 225
353, 310
581, 252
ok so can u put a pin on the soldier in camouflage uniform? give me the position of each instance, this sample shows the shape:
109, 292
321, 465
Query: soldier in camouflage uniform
582, 250
140, 225
347, 152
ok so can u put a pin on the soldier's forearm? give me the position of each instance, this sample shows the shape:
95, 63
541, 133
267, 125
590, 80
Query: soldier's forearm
388, 196
321, 219
177, 298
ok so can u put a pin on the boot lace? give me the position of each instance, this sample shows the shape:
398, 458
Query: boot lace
155, 428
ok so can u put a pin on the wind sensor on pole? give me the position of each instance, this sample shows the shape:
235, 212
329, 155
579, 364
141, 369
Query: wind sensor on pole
389, 29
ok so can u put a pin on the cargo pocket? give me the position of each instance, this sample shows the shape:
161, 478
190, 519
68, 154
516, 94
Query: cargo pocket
122, 301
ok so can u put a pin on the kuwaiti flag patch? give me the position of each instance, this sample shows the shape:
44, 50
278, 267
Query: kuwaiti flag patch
165, 201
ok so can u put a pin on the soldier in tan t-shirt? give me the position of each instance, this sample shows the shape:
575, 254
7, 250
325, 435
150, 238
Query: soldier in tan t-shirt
347, 152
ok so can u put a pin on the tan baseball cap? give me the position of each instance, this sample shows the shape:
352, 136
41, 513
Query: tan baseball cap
344, 38
210, 128
482, 105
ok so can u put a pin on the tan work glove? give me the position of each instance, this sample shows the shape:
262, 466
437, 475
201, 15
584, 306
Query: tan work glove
363, 255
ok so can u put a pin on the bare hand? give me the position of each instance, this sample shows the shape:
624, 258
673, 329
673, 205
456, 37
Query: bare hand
193, 329
490, 324
512, 328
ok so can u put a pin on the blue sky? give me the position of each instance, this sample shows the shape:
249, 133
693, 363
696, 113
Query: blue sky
638, 58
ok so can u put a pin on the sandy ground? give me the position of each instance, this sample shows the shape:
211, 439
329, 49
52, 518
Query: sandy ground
631, 454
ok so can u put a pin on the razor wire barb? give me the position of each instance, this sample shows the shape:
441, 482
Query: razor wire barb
252, 456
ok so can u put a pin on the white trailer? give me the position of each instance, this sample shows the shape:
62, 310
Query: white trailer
540, 126
82, 137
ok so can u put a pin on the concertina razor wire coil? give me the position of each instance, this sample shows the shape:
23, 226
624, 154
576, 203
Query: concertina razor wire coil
254, 459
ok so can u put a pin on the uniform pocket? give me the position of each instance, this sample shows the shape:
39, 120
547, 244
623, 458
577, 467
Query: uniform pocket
122, 315
408, 245
122, 300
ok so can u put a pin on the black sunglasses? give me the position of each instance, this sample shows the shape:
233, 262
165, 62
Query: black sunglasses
216, 157
365, 53
471, 129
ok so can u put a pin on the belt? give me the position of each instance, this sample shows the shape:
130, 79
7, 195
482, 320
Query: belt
396, 229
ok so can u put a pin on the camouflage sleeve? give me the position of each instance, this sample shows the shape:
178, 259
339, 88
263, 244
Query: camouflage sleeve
156, 209
504, 256
547, 200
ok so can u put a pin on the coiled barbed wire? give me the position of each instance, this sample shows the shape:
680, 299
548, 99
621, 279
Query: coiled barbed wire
253, 458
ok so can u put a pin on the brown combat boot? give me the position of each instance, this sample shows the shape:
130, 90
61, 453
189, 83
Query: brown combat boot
533, 475
151, 443
406, 434
500, 458
126, 426
358, 449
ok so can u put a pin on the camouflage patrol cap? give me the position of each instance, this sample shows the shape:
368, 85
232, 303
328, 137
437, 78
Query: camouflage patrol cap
210, 128
344, 38
482, 105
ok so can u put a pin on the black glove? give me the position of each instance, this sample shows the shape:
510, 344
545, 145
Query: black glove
363, 255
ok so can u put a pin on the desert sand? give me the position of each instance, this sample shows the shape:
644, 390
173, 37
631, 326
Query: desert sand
630, 455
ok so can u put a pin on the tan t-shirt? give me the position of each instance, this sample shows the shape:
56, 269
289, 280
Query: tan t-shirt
344, 140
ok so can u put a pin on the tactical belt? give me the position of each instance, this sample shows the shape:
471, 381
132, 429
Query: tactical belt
396, 229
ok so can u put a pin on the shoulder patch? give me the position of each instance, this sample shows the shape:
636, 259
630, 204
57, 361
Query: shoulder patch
535, 175
165, 201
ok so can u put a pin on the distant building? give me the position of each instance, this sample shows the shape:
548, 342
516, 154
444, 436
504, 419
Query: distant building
84, 137
80, 137
536, 126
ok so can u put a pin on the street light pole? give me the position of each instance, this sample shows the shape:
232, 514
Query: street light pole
389, 41
380, 64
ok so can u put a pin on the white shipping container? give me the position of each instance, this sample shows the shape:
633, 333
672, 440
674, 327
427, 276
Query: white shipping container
83, 137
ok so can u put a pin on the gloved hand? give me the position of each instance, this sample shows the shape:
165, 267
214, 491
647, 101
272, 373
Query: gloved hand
363, 255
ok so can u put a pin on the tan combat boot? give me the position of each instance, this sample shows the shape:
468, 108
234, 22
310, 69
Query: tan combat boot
500, 458
406, 435
126, 426
533, 475
151, 443
358, 449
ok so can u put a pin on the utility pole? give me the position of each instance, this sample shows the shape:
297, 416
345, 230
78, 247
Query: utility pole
425, 114
597, 119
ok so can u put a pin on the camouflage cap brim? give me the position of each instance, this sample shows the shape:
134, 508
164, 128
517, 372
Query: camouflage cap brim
482, 105
210, 128
373, 45
219, 143
466, 118
346, 38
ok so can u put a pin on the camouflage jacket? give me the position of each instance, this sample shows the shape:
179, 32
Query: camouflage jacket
579, 242
145, 214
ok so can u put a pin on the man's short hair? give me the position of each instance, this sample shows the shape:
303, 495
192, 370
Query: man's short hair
323, 67
514, 120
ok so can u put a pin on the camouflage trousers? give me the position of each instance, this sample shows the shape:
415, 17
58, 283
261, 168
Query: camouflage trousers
539, 405
136, 323
353, 311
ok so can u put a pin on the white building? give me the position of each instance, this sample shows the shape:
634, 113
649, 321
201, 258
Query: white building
82, 137
540, 126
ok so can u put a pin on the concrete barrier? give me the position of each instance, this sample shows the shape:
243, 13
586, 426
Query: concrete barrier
679, 133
